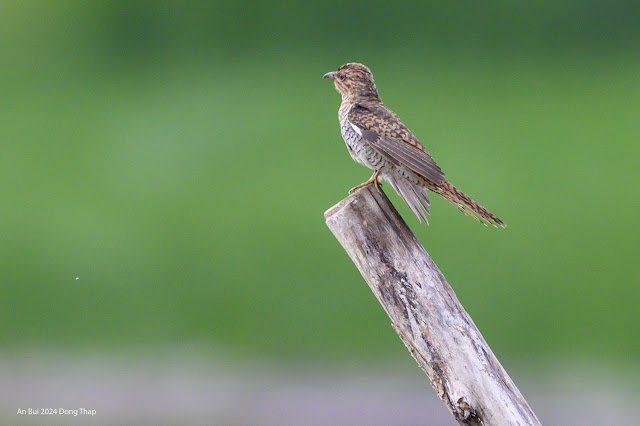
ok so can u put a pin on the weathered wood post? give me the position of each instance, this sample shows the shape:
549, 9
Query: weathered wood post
426, 313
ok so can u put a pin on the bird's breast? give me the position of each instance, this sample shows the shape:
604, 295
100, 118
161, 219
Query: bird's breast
359, 149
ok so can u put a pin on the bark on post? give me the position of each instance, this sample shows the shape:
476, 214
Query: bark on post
426, 313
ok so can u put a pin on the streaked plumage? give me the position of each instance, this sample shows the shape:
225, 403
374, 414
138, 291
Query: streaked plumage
376, 138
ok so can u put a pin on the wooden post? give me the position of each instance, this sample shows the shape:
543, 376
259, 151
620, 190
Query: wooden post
426, 313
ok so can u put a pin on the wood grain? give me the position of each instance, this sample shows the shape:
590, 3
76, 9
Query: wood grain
426, 313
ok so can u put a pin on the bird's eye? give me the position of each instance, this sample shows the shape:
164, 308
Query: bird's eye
341, 76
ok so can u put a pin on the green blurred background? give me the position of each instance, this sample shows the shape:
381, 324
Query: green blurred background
165, 167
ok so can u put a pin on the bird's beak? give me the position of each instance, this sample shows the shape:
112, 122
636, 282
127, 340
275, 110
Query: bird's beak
330, 75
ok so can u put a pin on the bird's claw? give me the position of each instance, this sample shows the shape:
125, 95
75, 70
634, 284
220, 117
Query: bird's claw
373, 180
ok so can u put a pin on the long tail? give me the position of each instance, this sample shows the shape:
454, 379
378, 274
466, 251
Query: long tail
467, 205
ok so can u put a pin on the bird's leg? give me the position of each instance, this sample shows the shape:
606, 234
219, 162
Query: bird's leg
373, 179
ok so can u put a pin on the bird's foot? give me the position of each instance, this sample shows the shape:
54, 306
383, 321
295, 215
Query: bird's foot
373, 179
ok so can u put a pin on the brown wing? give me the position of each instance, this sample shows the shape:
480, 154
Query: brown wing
384, 131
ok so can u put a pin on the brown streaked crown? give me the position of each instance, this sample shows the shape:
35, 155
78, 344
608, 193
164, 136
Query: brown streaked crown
355, 80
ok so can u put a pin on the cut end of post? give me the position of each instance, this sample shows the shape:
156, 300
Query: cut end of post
345, 202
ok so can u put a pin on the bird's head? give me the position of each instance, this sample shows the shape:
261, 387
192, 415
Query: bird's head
354, 80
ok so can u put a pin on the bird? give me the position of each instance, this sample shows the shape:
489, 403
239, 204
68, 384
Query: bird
379, 140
